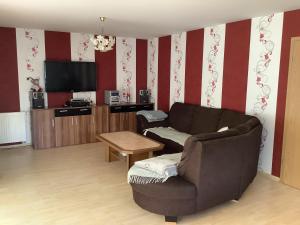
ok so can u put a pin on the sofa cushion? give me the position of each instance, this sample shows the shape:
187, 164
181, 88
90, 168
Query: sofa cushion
170, 134
205, 120
231, 119
170, 146
173, 188
180, 116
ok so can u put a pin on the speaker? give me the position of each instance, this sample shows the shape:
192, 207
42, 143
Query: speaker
144, 96
37, 100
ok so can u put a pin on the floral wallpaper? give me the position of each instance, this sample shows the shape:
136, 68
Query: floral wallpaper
126, 68
152, 70
213, 59
31, 56
263, 76
81, 47
177, 76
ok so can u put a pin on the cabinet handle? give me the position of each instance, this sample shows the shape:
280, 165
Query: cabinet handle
72, 120
132, 107
53, 124
81, 110
118, 107
62, 111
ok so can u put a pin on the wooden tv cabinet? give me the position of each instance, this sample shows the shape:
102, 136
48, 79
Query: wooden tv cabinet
51, 128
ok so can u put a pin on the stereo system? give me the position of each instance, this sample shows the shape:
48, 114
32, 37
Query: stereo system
77, 102
37, 99
112, 97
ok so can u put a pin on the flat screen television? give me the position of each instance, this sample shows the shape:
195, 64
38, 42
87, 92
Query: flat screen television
62, 76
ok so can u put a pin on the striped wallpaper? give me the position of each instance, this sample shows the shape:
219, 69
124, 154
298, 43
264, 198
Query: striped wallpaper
241, 66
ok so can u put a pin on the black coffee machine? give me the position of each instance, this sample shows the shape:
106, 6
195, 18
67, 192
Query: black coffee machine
144, 96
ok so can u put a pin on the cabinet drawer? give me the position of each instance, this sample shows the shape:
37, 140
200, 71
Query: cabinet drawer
130, 108
115, 109
123, 108
83, 111
145, 107
73, 111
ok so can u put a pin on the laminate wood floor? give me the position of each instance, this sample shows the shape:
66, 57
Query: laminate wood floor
74, 186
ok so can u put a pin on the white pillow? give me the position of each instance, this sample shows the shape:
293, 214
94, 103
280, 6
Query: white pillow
223, 129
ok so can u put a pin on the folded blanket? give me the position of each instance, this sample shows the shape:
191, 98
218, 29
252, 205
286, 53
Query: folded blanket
153, 116
154, 170
169, 133
163, 165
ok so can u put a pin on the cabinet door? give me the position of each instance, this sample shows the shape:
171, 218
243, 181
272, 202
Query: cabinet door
43, 128
76, 130
132, 121
114, 122
84, 126
124, 123
102, 119
64, 131
84, 129
92, 129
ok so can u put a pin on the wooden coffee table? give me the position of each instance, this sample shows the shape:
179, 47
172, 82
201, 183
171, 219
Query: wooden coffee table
128, 145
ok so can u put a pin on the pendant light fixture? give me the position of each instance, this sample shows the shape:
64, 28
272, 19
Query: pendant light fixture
102, 42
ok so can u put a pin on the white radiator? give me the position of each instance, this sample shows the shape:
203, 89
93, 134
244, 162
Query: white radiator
12, 127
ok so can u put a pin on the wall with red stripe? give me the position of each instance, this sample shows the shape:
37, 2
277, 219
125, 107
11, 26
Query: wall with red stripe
9, 86
236, 61
241, 66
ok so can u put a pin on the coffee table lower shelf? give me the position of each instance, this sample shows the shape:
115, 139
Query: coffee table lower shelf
114, 155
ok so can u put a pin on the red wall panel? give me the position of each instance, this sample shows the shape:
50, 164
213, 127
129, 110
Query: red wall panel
9, 84
236, 60
291, 28
193, 66
164, 63
106, 73
141, 66
57, 47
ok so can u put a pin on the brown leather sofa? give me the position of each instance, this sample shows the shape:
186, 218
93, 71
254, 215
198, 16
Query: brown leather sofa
215, 166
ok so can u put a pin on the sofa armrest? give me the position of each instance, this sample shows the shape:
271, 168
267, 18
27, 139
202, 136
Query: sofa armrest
142, 123
222, 167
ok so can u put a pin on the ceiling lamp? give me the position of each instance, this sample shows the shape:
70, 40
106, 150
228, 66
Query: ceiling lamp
103, 43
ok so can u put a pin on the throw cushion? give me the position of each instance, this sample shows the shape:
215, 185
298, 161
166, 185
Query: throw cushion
223, 129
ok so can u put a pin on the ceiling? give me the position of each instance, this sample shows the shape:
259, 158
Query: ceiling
134, 18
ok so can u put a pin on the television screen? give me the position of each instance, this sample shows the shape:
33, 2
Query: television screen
70, 76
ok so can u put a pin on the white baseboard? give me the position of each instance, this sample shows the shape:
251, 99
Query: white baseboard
15, 145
